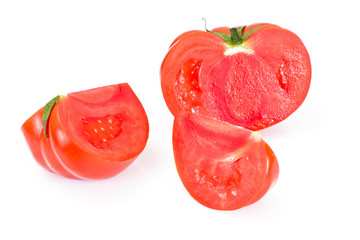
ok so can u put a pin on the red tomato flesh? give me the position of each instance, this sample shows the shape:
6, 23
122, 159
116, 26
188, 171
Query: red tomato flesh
221, 165
254, 85
93, 134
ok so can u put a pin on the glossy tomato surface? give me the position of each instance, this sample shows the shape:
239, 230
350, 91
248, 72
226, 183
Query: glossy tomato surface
92, 134
255, 84
221, 165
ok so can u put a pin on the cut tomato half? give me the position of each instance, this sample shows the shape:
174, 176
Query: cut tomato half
222, 166
92, 134
254, 83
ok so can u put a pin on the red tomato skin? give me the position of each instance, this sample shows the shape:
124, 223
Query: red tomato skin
50, 156
32, 130
254, 90
61, 153
201, 148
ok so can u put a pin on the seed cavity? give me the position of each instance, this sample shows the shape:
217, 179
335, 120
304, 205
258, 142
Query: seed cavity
282, 79
100, 131
224, 185
188, 91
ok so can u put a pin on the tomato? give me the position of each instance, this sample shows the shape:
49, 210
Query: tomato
91, 134
221, 165
253, 76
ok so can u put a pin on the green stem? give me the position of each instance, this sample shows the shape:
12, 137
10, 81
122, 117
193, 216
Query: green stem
235, 36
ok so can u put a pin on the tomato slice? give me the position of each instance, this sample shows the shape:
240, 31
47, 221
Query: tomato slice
93, 134
255, 84
221, 165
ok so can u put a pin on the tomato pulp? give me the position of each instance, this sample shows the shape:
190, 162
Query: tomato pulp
92, 134
221, 165
255, 84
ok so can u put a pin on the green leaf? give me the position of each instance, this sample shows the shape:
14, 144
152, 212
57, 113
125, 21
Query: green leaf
247, 34
46, 114
224, 37
240, 30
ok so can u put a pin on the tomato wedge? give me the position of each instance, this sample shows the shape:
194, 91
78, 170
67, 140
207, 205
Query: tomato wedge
91, 134
221, 165
254, 76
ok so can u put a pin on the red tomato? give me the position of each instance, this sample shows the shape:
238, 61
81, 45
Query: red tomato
254, 80
92, 134
221, 165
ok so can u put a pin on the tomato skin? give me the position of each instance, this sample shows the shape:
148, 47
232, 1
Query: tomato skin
69, 152
222, 166
32, 130
255, 88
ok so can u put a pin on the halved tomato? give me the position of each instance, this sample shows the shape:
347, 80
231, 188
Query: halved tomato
92, 134
221, 165
253, 76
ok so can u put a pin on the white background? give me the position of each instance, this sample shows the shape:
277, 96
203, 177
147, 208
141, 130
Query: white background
56, 47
